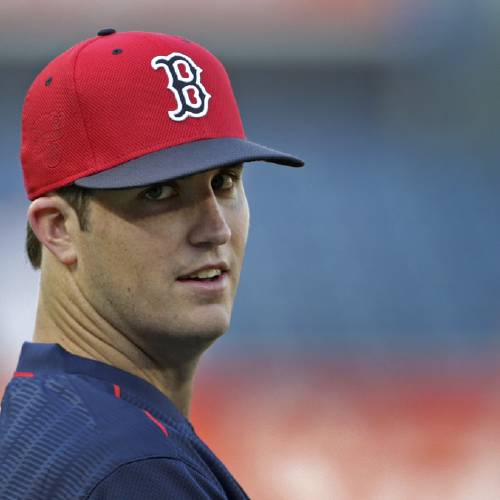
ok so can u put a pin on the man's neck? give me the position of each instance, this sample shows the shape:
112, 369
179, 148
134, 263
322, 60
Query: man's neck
174, 382
168, 367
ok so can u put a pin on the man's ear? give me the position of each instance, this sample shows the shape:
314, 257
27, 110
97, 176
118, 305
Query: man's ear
49, 217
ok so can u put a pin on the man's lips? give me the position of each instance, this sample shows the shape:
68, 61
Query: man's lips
215, 278
211, 286
222, 265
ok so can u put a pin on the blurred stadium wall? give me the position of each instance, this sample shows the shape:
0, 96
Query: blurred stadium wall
362, 360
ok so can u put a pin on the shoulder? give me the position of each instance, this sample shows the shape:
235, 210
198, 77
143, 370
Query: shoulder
155, 479
71, 434
77, 414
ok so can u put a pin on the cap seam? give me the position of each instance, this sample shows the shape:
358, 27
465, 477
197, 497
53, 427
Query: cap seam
92, 40
150, 39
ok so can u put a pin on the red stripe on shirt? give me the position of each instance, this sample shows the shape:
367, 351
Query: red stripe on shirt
157, 422
24, 374
118, 391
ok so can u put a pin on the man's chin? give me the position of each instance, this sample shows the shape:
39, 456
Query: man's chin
209, 328
209, 318
201, 323
185, 345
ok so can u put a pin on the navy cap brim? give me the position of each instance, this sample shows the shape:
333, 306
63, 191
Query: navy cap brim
185, 159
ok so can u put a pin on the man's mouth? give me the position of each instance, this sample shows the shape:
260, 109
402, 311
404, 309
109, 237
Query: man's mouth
215, 286
204, 278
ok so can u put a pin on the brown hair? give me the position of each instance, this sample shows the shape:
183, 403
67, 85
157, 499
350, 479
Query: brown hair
78, 199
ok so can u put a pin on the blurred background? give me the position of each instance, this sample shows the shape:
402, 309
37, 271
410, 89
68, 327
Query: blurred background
363, 356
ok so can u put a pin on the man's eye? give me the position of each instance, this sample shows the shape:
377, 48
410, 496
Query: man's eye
158, 192
225, 181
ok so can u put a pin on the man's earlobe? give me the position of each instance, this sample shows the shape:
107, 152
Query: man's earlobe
48, 217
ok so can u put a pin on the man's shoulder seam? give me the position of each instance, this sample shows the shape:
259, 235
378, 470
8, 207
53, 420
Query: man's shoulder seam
143, 459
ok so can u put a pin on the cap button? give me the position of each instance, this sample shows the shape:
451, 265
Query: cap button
106, 31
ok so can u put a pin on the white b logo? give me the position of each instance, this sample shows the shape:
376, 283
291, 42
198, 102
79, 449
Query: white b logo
180, 83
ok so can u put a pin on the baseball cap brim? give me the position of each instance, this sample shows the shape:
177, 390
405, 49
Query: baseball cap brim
185, 159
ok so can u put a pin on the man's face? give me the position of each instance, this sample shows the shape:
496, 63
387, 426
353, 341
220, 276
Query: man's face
142, 240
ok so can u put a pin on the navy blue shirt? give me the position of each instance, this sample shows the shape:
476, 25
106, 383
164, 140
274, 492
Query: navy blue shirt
75, 428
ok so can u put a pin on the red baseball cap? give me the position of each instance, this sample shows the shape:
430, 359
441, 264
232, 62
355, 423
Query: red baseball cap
130, 109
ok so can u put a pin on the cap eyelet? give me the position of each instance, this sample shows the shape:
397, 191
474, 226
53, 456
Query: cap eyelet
48, 81
117, 51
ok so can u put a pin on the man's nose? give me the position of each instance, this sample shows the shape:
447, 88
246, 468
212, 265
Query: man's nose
210, 226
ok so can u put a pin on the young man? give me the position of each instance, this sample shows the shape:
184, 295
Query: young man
132, 153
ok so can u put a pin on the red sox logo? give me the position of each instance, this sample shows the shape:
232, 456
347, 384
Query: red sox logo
181, 83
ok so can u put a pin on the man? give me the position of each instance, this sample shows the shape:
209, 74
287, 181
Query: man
132, 153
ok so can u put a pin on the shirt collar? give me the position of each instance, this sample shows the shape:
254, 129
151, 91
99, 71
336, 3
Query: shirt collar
52, 359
